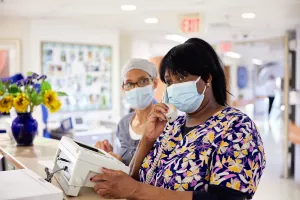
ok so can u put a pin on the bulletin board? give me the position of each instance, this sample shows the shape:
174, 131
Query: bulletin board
83, 71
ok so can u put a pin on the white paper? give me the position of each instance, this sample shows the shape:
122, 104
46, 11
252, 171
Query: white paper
25, 185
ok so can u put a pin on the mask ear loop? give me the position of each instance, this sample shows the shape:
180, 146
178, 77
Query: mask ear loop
198, 79
197, 82
204, 89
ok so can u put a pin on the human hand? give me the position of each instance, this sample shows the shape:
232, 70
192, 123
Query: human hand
156, 122
115, 184
116, 156
104, 145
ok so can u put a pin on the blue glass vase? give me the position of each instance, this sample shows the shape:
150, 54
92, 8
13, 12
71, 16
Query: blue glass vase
24, 129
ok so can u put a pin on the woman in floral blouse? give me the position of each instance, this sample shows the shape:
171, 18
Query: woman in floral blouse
214, 152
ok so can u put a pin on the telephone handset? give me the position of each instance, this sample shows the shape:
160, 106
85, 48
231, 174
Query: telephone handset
171, 115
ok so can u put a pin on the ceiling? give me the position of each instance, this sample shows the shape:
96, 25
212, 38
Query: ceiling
220, 19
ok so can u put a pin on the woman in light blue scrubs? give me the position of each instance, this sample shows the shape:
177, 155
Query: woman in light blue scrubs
139, 83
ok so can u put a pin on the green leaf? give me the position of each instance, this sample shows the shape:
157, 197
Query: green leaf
29, 73
1, 87
33, 96
13, 89
37, 99
45, 86
27, 92
62, 94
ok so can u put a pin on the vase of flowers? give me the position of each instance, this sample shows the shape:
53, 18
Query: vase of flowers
24, 96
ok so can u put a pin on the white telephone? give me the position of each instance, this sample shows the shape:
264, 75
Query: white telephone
171, 115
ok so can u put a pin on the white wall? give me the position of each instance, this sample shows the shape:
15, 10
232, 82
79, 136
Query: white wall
17, 29
33, 32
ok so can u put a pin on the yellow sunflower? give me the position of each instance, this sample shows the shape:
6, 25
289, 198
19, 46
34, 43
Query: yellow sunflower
21, 103
55, 106
1, 93
50, 97
6, 104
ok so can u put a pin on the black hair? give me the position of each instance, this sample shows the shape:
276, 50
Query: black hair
196, 57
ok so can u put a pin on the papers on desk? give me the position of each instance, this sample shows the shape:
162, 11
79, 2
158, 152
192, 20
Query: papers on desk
25, 185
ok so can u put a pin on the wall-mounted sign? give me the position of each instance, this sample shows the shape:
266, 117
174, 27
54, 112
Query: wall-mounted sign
242, 77
189, 23
225, 47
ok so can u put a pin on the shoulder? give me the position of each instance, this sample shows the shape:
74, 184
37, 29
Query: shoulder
240, 128
123, 125
126, 119
235, 118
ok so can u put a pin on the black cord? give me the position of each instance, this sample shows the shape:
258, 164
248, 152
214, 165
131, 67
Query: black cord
62, 159
50, 175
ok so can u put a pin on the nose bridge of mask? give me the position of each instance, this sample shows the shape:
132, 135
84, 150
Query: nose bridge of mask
185, 87
138, 91
140, 97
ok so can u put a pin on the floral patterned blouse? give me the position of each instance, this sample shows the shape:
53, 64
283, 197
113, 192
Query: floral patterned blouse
226, 150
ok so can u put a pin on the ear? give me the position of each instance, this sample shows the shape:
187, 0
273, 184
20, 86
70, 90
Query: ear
208, 82
155, 83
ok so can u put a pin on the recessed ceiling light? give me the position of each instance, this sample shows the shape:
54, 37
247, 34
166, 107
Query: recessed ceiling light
128, 7
257, 61
248, 15
176, 38
233, 55
151, 20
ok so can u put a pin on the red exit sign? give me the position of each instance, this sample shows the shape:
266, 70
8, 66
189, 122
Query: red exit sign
189, 23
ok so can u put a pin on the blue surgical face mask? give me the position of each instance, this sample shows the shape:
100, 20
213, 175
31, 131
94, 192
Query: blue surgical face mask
140, 97
184, 96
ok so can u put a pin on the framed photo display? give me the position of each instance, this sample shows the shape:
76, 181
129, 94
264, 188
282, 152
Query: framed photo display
83, 71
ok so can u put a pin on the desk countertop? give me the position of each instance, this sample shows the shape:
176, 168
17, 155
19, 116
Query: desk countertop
29, 157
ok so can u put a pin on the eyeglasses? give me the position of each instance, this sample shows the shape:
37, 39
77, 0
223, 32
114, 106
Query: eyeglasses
141, 83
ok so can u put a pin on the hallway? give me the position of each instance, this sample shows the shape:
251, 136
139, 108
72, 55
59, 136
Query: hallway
272, 186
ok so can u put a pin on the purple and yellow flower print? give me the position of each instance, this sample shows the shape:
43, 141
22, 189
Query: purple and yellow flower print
226, 150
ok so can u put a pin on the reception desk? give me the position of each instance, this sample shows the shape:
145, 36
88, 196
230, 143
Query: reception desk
31, 157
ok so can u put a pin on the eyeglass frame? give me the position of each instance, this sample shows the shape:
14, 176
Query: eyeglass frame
136, 83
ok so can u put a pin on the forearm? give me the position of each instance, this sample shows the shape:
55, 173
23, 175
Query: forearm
143, 149
149, 192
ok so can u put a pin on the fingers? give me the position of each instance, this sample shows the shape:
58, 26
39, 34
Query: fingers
163, 108
116, 156
153, 116
111, 172
107, 146
100, 145
101, 185
103, 190
100, 177
104, 145
104, 193
97, 145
